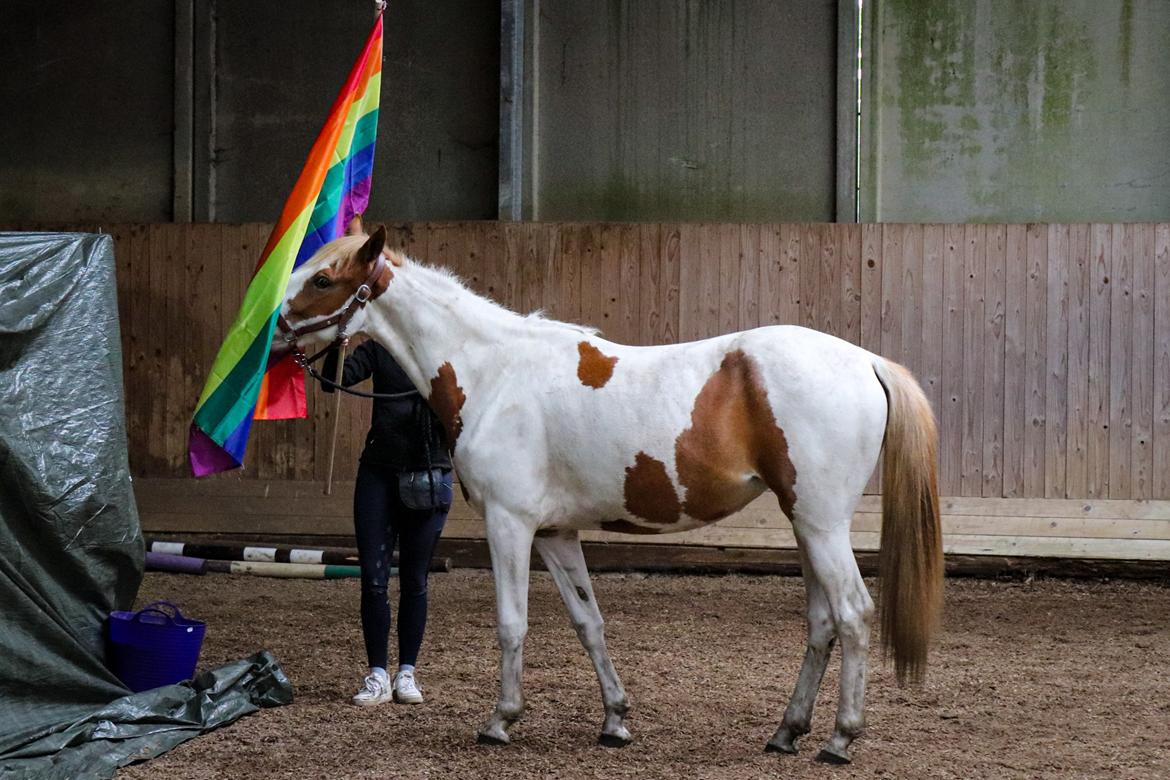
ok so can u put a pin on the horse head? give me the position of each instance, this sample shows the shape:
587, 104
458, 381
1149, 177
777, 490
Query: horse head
326, 297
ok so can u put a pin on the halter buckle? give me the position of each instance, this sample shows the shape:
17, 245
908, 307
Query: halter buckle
363, 293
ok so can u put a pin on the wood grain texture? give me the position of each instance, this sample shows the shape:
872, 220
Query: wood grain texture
930, 347
1079, 297
1122, 530
729, 261
810, 273
849, 243
1161, 455
1015, 351
892, 298
751, 263
1056, 377
1045, 350
1120, 366
828, 303
951, 414
691, 282
871, 309
1036, 360
912, 306
994, 350
629, 295
1097, 408
974, 337
1142, 362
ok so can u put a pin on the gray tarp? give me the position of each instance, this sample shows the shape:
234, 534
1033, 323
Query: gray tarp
70, 546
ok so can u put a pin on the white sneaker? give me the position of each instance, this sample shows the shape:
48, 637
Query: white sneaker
375, 690
406, 689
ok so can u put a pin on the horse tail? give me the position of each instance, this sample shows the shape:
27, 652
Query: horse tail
910, 561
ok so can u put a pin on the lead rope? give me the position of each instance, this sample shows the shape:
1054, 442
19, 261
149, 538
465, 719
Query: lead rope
336, 415
426, 421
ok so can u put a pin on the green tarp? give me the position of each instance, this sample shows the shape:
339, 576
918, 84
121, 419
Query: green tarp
70, 546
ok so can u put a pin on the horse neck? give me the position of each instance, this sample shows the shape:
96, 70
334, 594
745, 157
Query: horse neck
426, 318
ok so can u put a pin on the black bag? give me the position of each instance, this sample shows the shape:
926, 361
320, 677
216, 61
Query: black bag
429, 489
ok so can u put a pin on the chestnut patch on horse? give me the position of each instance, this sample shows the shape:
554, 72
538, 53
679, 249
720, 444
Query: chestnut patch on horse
447, 400
649, 492
594, 368
330, 288
733, 436
325, 291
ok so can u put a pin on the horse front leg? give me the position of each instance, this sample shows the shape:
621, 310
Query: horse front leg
510, 543
565, 560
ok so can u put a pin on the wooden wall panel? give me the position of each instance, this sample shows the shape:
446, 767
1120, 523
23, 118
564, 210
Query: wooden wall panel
1161, 481
930, 345
1097, 444
1044, 349
1120, 367
951, 415
1056, 377
1015, 360
994, 378
974, 335
1142, 362
1035, 360
1079, 292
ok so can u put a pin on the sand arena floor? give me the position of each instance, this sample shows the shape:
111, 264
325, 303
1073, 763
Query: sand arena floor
1047, 679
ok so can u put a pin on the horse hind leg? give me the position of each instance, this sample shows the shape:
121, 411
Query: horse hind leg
566, 562
821, 636
831, 560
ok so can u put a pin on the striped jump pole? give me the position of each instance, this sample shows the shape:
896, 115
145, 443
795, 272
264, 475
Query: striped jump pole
309, 571
271, 554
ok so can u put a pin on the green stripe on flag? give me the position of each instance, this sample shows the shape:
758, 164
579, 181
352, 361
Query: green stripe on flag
263, 298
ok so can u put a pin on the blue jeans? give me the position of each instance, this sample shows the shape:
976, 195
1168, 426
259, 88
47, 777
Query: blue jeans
381, 522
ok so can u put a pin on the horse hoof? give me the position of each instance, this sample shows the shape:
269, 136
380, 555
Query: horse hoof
831, 756
613, 741
483, 738
787, 748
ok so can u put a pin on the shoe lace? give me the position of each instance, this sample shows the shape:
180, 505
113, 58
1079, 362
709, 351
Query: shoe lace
373, 685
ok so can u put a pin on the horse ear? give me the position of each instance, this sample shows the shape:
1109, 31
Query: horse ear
354, 228
373, 247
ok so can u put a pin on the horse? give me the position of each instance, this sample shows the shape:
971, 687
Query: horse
555, 430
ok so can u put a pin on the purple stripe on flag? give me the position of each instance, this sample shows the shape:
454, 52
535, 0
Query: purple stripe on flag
206, 456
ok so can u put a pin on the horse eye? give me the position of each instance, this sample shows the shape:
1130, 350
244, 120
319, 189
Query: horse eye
321, 282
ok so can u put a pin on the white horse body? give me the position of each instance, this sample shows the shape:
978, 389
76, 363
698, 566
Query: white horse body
577, 441
555, 430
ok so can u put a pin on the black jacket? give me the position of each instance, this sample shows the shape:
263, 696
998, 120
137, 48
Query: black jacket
401, 428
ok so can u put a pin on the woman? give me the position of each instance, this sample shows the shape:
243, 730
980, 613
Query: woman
402, 497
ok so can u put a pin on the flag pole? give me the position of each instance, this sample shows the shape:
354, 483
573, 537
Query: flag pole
336, 416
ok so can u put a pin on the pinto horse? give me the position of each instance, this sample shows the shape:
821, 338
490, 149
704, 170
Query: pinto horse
554, 430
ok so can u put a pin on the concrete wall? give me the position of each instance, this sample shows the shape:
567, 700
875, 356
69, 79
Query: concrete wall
685, 110
1008, 111
90, 116
86, 109
976, 110
437, 131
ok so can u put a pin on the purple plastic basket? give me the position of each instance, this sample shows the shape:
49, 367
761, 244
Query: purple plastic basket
154, 646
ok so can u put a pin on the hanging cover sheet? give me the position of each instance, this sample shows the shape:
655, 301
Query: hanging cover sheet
70, 546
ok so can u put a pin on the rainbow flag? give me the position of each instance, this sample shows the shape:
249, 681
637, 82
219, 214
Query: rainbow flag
333, 186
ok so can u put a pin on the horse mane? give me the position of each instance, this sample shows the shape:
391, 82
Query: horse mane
446, 280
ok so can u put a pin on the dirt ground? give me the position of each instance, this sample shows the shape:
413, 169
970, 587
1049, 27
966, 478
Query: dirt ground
1048, 679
